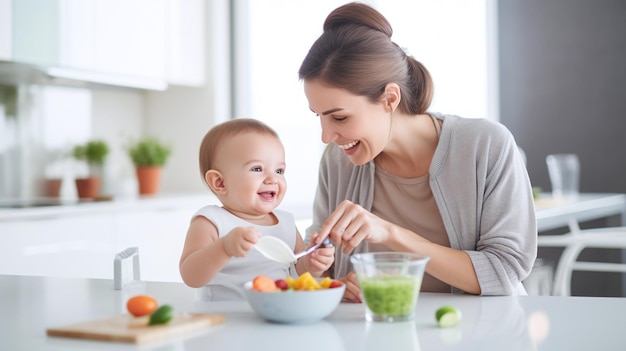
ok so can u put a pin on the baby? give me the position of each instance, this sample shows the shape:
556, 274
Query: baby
243, 162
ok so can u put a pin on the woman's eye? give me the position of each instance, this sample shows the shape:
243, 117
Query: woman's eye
340, 118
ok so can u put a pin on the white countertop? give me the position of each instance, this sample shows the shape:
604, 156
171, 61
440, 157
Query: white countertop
76, 208
29, 305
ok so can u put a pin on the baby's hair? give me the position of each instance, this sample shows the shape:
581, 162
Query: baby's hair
211, 141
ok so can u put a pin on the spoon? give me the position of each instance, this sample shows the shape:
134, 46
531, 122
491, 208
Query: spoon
277, 250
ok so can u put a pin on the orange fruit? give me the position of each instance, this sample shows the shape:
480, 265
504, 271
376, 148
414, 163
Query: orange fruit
264, 283
141, 305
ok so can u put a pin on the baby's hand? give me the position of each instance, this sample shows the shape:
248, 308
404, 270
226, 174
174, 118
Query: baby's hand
240, 241
320, 260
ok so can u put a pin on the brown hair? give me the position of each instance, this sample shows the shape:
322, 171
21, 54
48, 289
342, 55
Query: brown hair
356, 53
230, 128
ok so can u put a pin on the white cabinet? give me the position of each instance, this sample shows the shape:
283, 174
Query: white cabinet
185, 42
82, 241
142, 43
6, 30
114, 36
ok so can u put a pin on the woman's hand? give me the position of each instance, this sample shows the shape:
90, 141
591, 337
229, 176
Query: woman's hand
350, 224
353, 289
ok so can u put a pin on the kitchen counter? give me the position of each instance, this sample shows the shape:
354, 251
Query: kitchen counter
32, 304
47, 207
81, 239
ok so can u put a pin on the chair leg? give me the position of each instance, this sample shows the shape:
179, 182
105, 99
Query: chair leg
563, 275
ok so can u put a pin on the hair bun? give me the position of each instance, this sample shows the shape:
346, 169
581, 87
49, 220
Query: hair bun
360, 15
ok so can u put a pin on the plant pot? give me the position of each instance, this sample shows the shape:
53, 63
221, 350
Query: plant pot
88, 188
148, 179
53, 187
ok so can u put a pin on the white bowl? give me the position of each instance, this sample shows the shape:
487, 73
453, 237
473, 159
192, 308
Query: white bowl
292, 306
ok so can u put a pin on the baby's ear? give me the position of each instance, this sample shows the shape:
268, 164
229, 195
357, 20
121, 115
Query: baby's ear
215, 181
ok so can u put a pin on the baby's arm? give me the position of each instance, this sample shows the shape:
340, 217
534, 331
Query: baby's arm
205, 253
317, 262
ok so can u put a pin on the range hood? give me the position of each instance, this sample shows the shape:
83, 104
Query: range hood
14, 73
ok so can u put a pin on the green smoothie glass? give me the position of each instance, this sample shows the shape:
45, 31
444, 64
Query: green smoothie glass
390, 284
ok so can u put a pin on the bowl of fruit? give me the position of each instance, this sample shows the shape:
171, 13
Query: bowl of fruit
294, 300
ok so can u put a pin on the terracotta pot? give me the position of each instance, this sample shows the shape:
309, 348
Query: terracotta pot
53, 187
88, 188
149, 179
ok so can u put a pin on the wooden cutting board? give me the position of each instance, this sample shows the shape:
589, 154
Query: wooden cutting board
126, 328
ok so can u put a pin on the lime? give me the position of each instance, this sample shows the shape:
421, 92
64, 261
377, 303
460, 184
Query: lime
448, 316
162, 315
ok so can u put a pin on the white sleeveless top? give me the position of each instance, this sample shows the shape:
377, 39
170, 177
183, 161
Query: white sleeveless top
228, 283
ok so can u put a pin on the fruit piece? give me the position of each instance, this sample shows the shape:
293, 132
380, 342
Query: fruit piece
335, 284
264, 283
325, 283
306, 282
282, 284
448, 316
291, 282
141, 305
162, 315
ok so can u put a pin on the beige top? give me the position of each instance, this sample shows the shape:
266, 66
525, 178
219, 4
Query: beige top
409, 203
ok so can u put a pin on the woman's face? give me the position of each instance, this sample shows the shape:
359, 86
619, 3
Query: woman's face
356, 125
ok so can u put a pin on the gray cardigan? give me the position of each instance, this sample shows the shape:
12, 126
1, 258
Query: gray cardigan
481, 187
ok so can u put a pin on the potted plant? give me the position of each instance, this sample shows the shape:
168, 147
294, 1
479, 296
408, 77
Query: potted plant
94, 154
149, 155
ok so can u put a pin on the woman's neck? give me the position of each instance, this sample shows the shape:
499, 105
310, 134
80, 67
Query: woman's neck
411, 147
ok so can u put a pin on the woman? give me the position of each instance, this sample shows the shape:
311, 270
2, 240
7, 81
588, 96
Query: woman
396, 177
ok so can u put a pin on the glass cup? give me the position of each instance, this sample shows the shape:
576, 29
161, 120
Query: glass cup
390, 283
564, 171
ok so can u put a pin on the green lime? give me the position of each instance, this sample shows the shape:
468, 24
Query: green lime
162, 315
448, 316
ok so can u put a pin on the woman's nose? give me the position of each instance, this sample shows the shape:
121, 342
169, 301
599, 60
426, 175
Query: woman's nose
328, 135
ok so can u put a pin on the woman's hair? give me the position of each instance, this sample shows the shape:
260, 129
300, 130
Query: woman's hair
214, 137
356, 53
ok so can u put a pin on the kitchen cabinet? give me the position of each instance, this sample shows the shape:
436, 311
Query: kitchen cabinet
107, 36
185, 42
6, 30
82, 240
141, 43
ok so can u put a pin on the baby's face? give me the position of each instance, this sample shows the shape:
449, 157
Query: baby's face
253, 167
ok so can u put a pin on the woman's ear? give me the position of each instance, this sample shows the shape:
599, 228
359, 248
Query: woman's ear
392, 96
215, 181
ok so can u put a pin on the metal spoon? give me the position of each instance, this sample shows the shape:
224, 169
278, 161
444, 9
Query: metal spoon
277, 250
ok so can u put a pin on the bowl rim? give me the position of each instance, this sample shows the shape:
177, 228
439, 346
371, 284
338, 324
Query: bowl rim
247, 286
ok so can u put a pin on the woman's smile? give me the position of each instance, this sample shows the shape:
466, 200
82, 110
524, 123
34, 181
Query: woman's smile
349, 145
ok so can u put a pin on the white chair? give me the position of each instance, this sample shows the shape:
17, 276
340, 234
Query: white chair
126, 267
574, 243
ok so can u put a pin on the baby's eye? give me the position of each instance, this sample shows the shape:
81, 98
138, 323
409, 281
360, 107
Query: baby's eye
257, 169
280, 171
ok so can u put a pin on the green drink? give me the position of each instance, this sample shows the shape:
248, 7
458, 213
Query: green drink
390, 283
391, 295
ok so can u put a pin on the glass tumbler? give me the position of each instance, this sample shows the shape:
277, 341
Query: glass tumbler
564, 172
390, 283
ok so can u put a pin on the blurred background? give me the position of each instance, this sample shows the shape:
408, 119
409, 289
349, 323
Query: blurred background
553, 72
